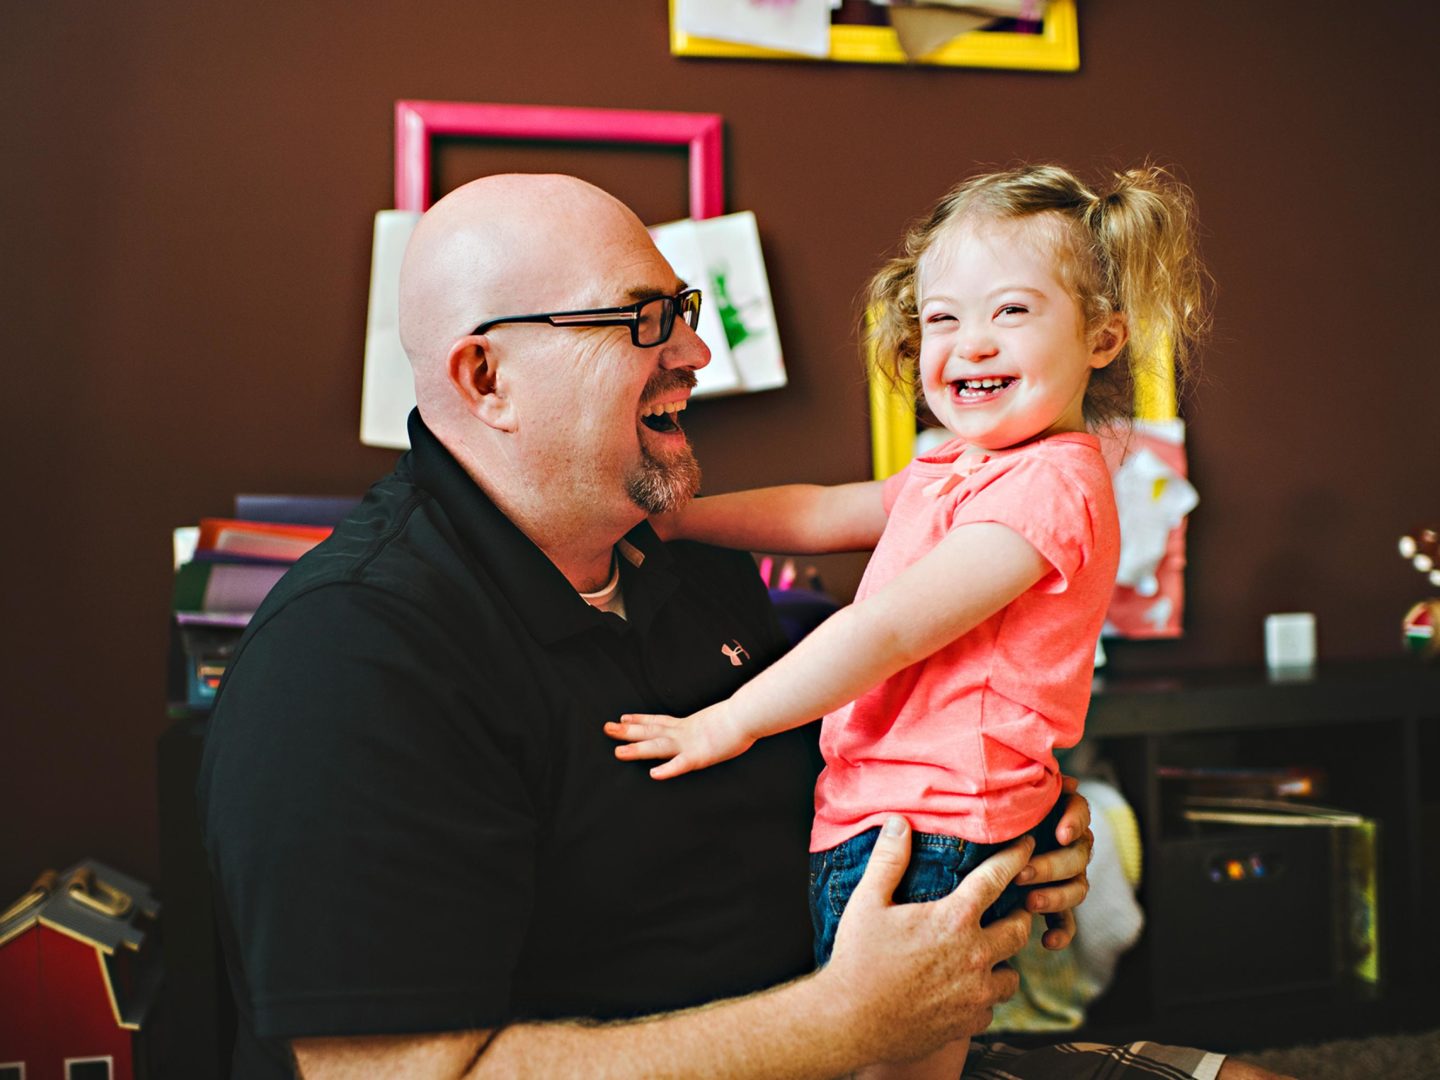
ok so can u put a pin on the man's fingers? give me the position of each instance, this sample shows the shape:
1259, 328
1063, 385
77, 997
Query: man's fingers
982, 886
1061, 930
1062, 873
1060, 898
887, 864
1005, 981
1075, 818
1009, 934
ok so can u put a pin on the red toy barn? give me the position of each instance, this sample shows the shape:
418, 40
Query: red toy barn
76, 979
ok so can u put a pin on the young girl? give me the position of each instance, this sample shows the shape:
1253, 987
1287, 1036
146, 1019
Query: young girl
1018, 310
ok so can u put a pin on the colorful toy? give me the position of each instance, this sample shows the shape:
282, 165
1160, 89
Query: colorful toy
1419, 628
1421, 546
77, 983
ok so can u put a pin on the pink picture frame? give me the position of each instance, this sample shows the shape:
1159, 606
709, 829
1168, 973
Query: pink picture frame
418, 122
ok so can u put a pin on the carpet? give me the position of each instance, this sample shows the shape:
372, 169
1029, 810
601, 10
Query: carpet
1385, 1057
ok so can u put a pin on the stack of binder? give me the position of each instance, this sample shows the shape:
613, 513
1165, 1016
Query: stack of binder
224, 568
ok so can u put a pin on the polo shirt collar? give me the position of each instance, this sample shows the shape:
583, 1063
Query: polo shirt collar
537, 590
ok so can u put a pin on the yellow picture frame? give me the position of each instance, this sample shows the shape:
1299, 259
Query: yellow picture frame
1055, 48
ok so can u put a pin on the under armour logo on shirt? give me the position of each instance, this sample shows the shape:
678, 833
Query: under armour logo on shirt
736, 652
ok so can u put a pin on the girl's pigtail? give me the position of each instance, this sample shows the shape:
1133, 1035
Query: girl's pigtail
1144, 229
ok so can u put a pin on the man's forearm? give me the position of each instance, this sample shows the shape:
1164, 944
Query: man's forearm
800, 1030
803, 1029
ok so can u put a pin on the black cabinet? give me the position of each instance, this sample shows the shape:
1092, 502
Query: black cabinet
1261, 960
199, 1028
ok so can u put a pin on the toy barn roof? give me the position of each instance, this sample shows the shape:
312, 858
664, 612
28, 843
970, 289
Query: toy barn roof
90, 901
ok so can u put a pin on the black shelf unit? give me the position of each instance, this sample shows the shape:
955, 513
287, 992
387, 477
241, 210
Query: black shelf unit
1374, 728
199, 1030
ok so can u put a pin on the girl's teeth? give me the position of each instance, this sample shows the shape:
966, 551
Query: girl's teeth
978, 386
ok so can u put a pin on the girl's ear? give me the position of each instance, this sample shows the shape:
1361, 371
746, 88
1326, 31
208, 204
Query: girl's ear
1107, 341
473, 371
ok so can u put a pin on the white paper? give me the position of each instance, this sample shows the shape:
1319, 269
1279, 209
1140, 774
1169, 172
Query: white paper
798, 26
679, 242
388, 388
1152, 499
185, 540
737, 291
737, 272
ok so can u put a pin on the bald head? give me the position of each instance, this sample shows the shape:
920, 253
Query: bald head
500, 245
556, 424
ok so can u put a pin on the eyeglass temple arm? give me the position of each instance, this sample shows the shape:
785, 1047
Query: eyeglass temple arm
593, 319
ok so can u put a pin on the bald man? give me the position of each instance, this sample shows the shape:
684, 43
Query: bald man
429, 863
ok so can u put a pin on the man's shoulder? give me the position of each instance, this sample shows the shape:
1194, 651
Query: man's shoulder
693, 557
723, 575
398, 542
389, 608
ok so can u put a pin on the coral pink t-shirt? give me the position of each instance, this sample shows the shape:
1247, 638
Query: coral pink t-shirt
963, 741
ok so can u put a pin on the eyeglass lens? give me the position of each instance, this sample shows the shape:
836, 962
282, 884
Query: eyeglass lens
657, 317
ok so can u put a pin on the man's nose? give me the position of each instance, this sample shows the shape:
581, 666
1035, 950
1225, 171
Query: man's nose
684, 349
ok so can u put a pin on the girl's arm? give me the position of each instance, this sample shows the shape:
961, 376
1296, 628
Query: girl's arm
796, 519
971, 574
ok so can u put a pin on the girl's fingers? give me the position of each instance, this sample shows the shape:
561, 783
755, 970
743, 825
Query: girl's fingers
646, 748
674, 767
631, 730
637, 726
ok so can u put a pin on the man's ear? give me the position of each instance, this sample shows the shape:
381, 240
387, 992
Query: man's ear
1107, 341
473, 372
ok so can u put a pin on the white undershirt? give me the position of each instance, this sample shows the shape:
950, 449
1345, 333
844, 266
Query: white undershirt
608, 597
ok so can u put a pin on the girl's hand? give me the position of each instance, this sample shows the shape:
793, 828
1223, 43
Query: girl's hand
689, 742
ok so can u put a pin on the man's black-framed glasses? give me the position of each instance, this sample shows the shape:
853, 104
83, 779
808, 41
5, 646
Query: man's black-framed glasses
650, 320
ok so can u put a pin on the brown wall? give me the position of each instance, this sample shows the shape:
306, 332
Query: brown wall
188, 197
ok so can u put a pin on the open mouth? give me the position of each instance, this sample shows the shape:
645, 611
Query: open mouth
664, 417
980, 389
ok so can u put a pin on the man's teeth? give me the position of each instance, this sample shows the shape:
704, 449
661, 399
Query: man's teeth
665, 418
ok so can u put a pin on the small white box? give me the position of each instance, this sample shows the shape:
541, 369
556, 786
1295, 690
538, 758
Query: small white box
1290, 640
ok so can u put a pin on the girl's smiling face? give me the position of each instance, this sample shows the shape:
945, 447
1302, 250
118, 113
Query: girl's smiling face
1004, 354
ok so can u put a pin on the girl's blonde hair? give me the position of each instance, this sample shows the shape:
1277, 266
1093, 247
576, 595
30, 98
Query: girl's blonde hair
1130, 247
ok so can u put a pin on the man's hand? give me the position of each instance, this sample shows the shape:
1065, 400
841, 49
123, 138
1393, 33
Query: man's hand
689, 742
1064, 866
909, 978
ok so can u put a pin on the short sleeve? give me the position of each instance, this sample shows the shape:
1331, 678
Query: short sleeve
371, 827
1044, 503
890, 491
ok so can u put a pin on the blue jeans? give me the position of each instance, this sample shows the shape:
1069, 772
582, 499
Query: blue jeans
937, 864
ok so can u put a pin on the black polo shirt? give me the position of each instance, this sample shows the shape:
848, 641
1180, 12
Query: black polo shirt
415, 819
